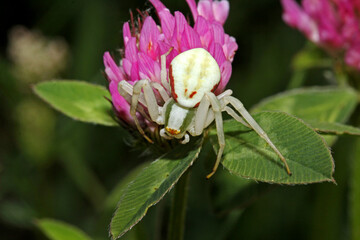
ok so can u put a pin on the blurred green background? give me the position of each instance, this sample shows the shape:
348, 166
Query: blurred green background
54, 167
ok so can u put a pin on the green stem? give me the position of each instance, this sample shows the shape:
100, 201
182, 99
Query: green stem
178, 208
340, 74
297, 80
355, 194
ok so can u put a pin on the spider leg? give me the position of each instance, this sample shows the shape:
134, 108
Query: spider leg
151, 104
186, 139
201, 115
246, 115
164, 135
210, 114
164, 95
224, 94
163, 72
126, 90
233, 114
216, 107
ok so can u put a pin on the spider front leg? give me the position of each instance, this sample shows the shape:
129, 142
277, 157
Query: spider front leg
205, 116
233, 114
201, 116
163, 71
246, 115
150, 100
126, 91
216, 107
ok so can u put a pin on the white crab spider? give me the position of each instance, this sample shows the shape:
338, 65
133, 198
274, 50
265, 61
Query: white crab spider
192, 107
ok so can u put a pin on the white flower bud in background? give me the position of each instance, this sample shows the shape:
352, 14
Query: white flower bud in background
36, 57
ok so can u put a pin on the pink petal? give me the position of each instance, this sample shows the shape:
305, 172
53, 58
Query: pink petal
111, 69
149, 37
217, 52
296, 17
167, 23
205, 9
134, 74
190, 39
158, 5
180, 23
226, 70
166, 18
131, 50
221, 11
350, 24
320, 10
202, 27
126, 33
230, 47
148, 68
127, 65
192, 6
121, 105
218, 33
130, 62
356, 5
352, 57
323, 13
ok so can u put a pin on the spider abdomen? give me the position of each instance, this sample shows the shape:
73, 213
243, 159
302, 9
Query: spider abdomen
192, 74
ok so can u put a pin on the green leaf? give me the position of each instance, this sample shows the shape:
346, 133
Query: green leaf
118, 191
247, 155
57, 230
320, 104
79, 100
150, 186
316, 105
334, 128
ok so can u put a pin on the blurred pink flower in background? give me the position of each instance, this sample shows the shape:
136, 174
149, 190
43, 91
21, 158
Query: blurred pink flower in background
331, 24
144, 44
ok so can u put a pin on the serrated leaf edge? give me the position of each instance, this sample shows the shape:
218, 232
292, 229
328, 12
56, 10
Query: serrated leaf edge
297, 91
335, 132
290, 184
155, 202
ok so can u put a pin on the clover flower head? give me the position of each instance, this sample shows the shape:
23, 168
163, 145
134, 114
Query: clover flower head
333, 25
145, 43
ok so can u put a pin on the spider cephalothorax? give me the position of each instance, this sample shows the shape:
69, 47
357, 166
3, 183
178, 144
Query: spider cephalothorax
192, 107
